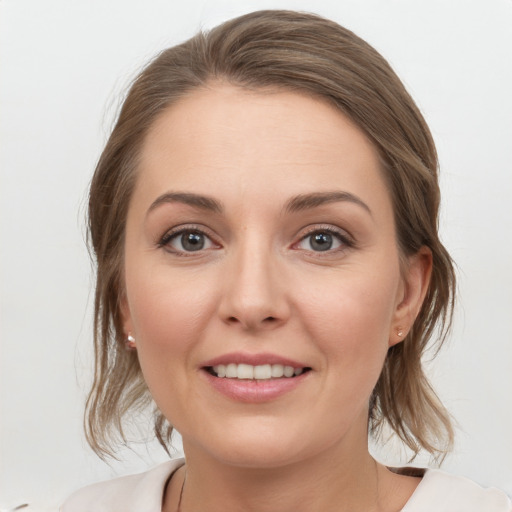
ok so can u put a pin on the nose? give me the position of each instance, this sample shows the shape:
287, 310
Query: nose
254, 296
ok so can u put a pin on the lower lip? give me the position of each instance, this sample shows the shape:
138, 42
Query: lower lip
254, 391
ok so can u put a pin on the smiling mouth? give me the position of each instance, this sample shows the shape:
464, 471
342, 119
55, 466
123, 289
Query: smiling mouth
259, 372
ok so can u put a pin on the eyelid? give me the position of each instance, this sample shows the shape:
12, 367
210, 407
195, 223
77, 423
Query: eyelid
346, 239
164, 240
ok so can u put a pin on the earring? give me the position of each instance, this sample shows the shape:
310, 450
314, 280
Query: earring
400, 332
130, 342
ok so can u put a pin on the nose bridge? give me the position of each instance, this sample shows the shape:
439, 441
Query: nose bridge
253, 293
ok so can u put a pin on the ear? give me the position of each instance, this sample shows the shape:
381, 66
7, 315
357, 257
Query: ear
415, 281
126, 316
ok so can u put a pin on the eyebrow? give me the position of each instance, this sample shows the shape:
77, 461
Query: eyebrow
195, 200
295, 204
316, 199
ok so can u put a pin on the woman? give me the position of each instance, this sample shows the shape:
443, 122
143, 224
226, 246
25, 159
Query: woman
264, 218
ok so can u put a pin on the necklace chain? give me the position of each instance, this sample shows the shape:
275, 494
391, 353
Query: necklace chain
178, 509
181, 492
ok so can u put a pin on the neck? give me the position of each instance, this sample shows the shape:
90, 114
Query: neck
328, 482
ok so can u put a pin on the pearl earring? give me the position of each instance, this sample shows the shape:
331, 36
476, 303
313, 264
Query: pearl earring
130, 342
400, 332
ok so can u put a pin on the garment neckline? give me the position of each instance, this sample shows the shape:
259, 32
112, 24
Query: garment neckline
422, 473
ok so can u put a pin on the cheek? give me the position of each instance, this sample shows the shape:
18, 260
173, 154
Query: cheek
169, 317
164, 306
350, 318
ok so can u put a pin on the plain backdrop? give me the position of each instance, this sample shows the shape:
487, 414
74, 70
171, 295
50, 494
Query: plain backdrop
63, 68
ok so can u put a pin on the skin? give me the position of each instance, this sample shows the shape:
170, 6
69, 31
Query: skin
260, 285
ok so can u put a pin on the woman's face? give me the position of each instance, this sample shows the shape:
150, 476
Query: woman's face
260, 237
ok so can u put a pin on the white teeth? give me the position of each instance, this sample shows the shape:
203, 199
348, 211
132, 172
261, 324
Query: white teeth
288, 371
245, 371
277, 370
231, 371
260, 372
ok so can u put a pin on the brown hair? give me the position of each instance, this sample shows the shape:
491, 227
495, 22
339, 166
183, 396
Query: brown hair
312, 55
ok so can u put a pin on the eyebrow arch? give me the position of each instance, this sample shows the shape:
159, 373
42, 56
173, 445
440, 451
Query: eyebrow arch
195, 200
315, 199
295, 204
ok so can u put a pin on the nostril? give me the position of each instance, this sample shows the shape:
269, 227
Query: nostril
268, 321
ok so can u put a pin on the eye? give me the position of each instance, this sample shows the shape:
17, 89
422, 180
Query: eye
323, 240
186, 241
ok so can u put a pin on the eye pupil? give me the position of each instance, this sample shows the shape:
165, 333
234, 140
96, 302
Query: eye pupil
192, 241
321, 242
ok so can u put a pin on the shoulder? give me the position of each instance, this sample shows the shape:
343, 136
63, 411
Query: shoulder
138, 493
443, 492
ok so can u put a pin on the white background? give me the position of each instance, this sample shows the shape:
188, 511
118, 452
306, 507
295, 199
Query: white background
64, 65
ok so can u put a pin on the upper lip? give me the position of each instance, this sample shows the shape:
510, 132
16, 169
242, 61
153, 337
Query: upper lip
253, 360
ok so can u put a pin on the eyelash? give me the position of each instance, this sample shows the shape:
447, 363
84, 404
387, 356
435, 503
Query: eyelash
342, 237
173, 234
345, 240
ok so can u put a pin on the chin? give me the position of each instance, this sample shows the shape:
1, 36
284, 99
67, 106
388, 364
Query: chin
264, 443
257, 456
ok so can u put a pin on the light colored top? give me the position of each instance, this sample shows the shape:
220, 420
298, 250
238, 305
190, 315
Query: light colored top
437, 492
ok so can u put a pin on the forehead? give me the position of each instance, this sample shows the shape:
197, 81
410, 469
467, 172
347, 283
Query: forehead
224, 137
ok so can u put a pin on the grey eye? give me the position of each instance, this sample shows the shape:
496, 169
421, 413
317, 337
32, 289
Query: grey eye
188, 241
192, 241
321, 241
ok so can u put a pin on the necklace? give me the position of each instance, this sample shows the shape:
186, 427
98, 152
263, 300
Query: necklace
181, 492
178, 509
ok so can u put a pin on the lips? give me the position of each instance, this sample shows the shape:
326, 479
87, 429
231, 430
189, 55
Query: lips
254, 377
